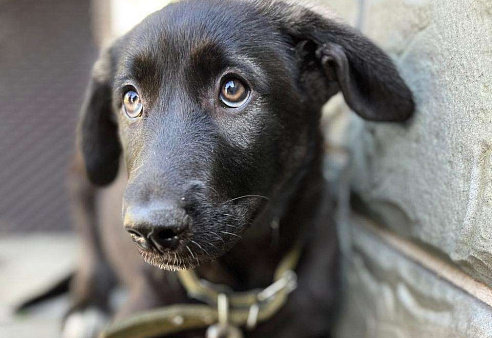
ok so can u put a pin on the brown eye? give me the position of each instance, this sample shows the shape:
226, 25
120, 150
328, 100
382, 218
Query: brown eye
234, 93
132, 104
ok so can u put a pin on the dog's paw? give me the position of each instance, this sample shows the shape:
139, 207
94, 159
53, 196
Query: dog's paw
86, 323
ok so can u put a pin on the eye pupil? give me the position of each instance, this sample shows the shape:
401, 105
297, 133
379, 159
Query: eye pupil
132, 105
231, 87
234, 93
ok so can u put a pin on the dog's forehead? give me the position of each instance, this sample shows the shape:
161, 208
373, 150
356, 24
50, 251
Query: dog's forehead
196, 29
193, 21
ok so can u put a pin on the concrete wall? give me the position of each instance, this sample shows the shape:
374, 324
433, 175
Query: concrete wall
429, 182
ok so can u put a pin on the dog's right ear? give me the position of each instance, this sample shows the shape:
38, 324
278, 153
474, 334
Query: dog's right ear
331, 52
97, 129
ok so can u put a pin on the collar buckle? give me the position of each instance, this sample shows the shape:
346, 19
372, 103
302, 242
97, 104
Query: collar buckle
223, 328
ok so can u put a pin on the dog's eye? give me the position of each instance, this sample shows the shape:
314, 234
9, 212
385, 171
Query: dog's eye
234, 93
132, 104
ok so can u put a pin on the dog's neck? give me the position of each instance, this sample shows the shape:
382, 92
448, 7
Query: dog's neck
252, 262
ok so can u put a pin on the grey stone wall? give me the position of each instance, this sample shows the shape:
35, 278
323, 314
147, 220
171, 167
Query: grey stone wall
438, 171
390, 295
428, 182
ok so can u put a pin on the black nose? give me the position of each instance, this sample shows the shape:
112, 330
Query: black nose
161, 229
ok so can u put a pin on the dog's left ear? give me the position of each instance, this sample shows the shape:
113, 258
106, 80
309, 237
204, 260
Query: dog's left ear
365, 75
97, 129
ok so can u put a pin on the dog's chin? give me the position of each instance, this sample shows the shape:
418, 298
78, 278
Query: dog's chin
172, 261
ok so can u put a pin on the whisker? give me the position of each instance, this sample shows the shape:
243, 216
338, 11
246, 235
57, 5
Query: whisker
230, 233
138, 167
218, 236
211, 236
246, 196
212, 244
199, 246
135, 169
189, 250
215, 191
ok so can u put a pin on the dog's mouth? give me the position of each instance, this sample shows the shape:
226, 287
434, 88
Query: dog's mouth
191, 252
172, 261
209, 238
213, 231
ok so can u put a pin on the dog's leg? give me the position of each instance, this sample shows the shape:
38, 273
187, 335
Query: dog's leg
94, 279
152, 288
141, 297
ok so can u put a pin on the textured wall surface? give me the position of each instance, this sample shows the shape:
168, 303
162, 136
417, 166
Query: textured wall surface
436, 173
429, 181
391, 296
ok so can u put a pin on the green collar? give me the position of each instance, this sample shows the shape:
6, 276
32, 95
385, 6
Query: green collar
223, 312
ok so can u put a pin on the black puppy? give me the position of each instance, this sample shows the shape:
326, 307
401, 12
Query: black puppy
214, 106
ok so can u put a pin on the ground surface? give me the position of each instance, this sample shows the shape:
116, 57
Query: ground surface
28, 265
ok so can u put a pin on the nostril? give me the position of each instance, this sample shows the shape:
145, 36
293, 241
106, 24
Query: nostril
139, 239
166, 239
166, 234
157, 227
134, 233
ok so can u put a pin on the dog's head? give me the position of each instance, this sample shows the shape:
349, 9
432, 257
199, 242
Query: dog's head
215, 107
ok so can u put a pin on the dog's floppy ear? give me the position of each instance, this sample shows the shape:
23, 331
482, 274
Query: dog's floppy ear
365, 75
97, 129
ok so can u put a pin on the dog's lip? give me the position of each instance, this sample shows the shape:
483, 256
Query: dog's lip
170, 260
182, 257
150, 247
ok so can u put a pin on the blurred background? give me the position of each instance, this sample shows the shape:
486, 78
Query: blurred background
46, 52
47, 49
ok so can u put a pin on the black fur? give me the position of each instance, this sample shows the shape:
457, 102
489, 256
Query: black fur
230, 172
